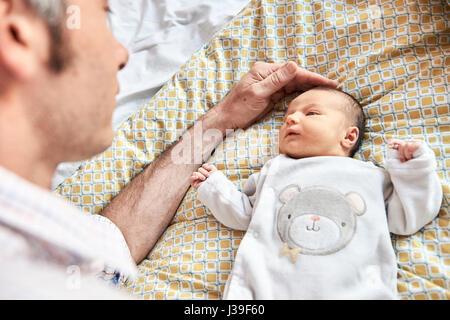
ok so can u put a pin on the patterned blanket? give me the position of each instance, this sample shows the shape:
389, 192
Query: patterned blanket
394, 56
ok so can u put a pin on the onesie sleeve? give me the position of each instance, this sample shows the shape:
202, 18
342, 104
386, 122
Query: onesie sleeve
230, 206
416, 194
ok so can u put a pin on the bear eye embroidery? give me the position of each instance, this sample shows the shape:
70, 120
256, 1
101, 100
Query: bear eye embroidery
289, 216
343, 224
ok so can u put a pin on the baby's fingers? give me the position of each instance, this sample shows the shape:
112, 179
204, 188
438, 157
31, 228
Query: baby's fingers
196, 179
192, 179
209, 167
396, 143
409, 148
203, 172
405, 149
200, 176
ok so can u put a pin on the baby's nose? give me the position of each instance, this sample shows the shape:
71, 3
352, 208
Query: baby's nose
314, 218
293, 119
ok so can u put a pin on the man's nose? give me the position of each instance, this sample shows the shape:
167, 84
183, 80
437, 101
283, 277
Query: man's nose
122, 55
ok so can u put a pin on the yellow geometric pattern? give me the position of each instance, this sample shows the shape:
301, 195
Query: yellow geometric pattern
394, 56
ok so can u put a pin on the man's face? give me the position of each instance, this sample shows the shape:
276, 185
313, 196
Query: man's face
80, 99
314, 125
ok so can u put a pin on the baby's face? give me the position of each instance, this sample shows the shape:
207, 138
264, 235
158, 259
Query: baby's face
314, 125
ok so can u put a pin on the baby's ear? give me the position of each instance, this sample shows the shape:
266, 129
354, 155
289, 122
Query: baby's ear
350, 138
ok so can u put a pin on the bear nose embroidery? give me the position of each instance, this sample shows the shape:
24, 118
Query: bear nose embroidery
314, 227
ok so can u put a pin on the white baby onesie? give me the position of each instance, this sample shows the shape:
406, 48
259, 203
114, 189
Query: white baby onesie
318, 228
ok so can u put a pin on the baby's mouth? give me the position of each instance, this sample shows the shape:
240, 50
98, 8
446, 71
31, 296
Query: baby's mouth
291, 132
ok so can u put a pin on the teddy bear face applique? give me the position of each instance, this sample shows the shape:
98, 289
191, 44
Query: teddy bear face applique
317, 220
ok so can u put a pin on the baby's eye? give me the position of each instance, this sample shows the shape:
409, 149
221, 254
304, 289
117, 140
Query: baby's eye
311, 113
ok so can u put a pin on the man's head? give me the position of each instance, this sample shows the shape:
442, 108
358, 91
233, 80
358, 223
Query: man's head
57, 80
322, 122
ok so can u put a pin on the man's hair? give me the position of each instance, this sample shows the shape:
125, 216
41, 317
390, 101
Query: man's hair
53, 12
355, 111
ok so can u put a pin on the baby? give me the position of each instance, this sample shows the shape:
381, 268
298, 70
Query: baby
318, 221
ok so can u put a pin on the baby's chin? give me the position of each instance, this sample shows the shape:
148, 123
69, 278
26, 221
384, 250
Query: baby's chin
293, 154
293, 149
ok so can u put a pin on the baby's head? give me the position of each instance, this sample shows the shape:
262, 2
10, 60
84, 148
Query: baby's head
322, 122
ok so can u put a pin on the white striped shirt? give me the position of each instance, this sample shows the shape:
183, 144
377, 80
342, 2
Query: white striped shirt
51, 250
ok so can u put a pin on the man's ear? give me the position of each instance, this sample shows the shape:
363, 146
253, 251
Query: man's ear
350, 138
24, 40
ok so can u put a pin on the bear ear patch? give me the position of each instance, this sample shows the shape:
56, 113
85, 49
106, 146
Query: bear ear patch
356, 202
288, 192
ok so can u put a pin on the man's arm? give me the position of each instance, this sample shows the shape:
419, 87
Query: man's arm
145, 207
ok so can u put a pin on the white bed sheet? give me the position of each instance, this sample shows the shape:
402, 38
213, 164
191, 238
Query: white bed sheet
160, 35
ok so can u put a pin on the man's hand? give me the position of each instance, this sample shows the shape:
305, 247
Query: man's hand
405, 148
263, 86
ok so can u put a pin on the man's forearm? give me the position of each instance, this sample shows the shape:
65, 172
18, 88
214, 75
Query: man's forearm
145, 207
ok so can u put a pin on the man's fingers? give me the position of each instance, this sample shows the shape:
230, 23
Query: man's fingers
281, 79
277, 96
292, 86
265, 69
266, 110
278, 79
306, 80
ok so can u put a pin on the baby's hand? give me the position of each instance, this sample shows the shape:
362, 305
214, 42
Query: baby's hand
201, 175
405, 149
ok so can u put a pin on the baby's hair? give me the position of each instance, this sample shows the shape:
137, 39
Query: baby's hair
355, 110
